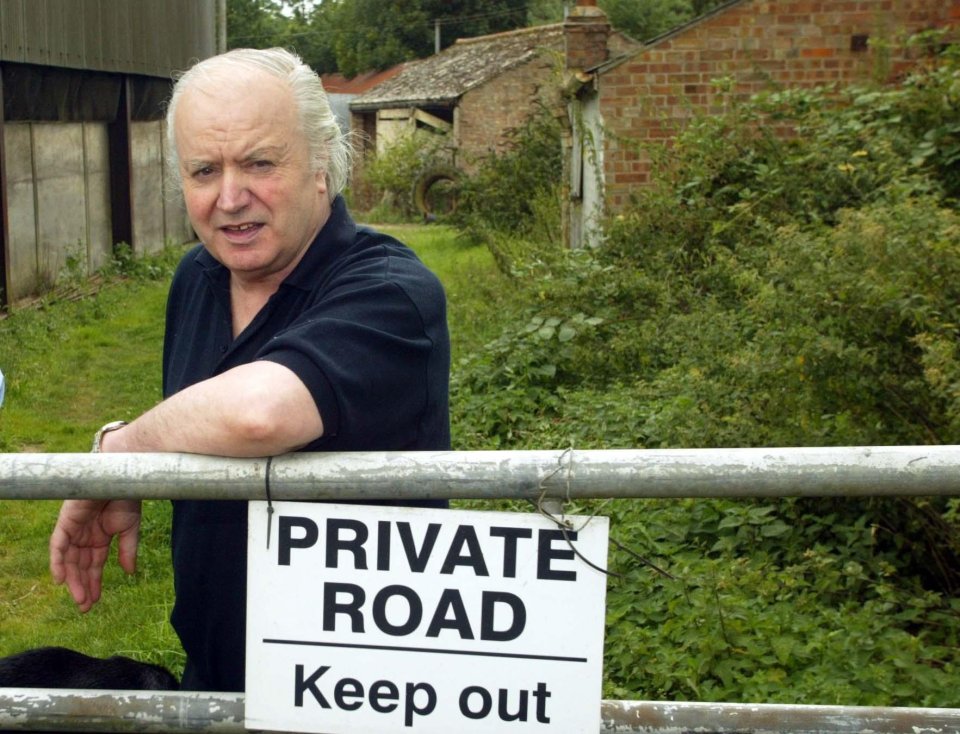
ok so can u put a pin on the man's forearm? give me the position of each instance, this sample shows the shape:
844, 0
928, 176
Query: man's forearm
258, 409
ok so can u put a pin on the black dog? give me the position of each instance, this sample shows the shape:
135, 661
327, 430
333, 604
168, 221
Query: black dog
58, 667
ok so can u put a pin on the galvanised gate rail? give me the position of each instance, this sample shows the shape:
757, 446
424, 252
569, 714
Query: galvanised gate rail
535, 475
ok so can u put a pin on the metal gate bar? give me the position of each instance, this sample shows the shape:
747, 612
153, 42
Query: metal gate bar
696, 473
774, 472
137, 711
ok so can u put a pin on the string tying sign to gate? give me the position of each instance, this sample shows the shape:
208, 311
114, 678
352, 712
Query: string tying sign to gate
377, 619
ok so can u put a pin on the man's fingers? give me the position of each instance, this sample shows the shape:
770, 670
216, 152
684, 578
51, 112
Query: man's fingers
127, 549
78, 591
60, 549
57, 542
79, 546
76, 575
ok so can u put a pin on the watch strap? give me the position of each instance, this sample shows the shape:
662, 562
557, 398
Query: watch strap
98, 436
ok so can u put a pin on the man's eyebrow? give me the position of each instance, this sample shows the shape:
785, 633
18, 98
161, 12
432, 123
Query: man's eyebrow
268, 151
194, 164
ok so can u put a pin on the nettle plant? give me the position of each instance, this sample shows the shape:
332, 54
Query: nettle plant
767, 291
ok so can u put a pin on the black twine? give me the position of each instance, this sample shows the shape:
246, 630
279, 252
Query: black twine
565, 525
269, 500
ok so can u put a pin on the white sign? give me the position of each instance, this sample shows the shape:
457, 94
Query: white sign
370, 619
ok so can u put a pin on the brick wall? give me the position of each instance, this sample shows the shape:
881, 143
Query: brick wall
760, 44
505, 102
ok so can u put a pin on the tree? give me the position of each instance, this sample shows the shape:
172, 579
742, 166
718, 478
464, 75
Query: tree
639, 19
546, 11
469, 18
372, 34
254, 24
354, 36
645, 19
311, 31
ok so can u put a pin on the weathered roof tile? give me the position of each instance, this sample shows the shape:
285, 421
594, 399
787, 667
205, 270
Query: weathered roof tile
441, 79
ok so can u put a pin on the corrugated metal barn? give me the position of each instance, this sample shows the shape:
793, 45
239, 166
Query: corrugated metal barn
84, 84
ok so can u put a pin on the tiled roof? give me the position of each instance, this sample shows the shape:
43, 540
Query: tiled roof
339, 84
441, 79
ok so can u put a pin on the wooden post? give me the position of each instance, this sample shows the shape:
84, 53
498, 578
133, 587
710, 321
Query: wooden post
120, 165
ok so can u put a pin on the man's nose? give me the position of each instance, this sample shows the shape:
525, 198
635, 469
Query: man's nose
234, 195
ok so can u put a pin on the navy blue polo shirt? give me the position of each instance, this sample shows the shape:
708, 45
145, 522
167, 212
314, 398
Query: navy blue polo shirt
362, 323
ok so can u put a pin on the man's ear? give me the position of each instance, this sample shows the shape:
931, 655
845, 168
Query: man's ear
321, 178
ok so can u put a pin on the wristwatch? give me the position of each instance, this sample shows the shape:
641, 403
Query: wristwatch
98, 437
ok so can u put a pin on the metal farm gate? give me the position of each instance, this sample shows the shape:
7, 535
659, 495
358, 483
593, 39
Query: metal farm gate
542, 476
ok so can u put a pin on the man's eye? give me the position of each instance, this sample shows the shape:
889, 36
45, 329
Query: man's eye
204, 172
262, 165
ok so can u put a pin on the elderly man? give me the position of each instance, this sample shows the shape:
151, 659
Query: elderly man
290, 328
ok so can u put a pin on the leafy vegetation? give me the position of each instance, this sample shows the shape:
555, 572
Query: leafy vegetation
769, 290
393, 173
797, 290
527, 208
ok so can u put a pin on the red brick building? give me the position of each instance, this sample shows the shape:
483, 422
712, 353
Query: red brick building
472, 92
754, 45
620, 93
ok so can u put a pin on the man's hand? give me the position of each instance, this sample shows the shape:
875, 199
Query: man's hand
80, 544
277, 415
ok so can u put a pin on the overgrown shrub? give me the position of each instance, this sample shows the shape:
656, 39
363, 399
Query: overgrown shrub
771, 602
514, 194
769, 291
393, 173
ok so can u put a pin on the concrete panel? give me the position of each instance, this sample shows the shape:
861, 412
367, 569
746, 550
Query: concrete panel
97, 176
176, 222
21, 211
147, 185
61, 189
177, 225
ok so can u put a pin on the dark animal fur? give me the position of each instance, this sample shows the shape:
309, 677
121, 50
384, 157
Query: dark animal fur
58, 667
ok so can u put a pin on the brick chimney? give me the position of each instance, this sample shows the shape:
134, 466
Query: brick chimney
585, 33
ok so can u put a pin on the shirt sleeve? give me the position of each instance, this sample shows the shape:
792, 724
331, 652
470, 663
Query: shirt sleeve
373, 356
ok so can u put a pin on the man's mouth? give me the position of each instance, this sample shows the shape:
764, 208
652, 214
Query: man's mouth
242, 234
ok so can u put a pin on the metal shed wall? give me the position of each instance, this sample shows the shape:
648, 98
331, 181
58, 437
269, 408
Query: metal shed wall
83, 86
150, 37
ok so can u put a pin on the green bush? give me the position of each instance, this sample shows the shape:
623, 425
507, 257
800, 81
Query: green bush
768, 291
514, 195
393, 173
755, 611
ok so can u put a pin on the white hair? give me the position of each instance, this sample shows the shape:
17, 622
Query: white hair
330, 150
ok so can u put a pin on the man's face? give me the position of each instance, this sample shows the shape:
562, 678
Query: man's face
251, 194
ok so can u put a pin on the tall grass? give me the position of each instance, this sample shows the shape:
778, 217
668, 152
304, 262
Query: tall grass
72, 366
